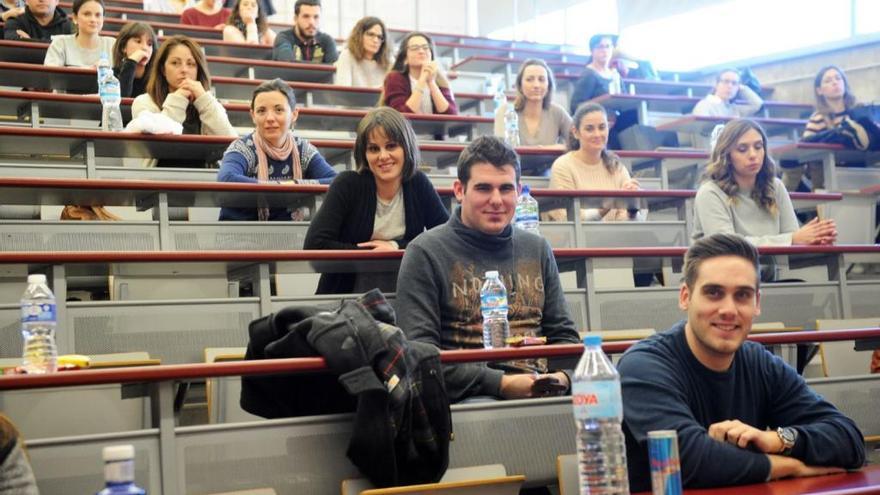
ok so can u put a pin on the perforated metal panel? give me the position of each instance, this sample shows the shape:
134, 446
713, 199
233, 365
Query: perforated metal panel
559, 234
10, 332
226, 236
864, 298
577, 308
641, 308
798, 305
174, 333
856, 397
79, 236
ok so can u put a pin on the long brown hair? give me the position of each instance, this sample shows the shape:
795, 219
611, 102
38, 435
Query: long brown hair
234, 19
355, 41
157, 85
129, 31
609, 158
849, 100
520, 100
400, 59
720, 167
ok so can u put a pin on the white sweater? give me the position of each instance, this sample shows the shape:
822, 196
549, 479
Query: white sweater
66, 52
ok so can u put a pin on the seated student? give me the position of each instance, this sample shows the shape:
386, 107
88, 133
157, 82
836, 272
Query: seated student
272, 152
742, 414
179, 88
248, 24
833, 121
9, 9
541, 122
133, 58
41, 20
83, 49
304, 42
167, 6
742, 195
366, 56
416, 83
207, 13
16, 475
438, 286
382, 206
590, 165
599, 77
720, 102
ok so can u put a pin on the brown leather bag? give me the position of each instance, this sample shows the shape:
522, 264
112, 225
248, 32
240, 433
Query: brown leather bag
71, 212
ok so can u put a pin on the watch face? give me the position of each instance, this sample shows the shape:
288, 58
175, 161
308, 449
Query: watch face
788, 436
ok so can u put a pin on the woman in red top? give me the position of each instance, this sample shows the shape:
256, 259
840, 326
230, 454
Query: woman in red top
416, 83
208, 13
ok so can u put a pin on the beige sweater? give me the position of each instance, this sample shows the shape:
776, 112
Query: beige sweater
569, 172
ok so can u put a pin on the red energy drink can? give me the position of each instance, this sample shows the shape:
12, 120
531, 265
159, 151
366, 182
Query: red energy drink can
665, 467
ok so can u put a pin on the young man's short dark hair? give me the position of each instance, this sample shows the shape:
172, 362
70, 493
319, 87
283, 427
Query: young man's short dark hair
308, 3
486, 149
718, 245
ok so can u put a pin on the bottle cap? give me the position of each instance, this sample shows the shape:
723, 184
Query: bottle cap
526, 189
592, 339
492, 274
118, 453
36, 278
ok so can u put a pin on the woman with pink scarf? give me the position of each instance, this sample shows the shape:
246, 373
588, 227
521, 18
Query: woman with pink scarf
272, 153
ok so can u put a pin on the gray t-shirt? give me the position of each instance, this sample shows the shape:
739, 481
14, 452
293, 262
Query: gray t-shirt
390, 222
66, 52
553, 128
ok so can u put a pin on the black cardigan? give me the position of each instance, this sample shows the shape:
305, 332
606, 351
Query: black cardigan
348, 212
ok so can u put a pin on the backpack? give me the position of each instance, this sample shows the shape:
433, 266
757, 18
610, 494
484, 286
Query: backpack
402, 422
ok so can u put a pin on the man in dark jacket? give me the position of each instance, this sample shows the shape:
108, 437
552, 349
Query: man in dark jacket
41, 20
305, 42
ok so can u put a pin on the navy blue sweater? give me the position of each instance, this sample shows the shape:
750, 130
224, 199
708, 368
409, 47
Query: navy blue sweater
666, 388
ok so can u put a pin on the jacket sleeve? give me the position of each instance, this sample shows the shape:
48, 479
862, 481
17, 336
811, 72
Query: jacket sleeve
556, 322
711, 207
325, 228
283, 48
396, 92
583, 89
215, 122
318, 169
430, 206
233, 168
418, 309
16, 475
654, 398
453, 108
331, 54
753, 102
10, 30
125, 74
55, 54
825, 436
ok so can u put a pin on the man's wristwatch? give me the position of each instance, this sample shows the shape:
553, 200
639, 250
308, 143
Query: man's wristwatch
789, 438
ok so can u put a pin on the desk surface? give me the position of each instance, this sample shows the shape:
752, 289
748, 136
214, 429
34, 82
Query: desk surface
704, 124
867, 480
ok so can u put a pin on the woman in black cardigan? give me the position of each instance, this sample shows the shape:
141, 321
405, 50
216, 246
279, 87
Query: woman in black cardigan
385, 204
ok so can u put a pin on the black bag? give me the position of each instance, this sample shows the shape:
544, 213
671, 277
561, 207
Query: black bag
749, 79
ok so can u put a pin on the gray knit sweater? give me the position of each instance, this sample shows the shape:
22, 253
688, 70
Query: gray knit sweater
438, 296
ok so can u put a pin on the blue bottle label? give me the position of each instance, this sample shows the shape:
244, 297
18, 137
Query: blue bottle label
596, 399
38, 312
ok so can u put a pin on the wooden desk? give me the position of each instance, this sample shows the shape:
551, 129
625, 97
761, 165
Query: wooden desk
864, 481
703, 125
645, 103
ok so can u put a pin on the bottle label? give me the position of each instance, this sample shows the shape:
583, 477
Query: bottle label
596, 399
119, 471
38, 312
491, 302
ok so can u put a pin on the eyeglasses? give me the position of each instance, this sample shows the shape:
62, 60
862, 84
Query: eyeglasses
732, 82
415, 48
375, 36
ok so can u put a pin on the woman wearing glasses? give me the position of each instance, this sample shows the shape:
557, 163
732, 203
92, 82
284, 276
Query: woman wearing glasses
720, 101
416, 83
366, 57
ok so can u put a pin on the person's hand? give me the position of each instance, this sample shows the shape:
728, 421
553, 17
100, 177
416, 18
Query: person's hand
23, 35
429, 72
220, 26
378, 245
137, 56
248, 15
816, 232
184, 92
12, 13
631, 185
517, 386
550, 384
194, 87
784, 467
737, 433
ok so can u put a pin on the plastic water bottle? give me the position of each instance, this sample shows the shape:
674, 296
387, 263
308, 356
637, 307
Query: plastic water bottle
38, 321
119, 471
511, 126
598, 411
526, 216
499, 98
111, 96
493, 304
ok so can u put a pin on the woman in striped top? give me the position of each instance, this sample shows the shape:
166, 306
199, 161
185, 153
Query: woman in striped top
834, 103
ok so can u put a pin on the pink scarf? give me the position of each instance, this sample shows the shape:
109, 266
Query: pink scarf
279, 153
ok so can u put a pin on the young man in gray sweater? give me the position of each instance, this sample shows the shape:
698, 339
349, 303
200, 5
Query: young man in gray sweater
438, 286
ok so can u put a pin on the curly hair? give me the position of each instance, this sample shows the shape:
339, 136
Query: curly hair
720, 166
355, 41
609, 158
234, 19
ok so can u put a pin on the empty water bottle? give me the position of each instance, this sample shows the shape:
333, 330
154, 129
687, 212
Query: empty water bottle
511, 126
111, 96
38, 322
526, 216
493, 304
598, 412
119, 471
